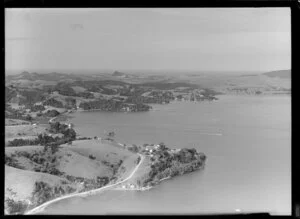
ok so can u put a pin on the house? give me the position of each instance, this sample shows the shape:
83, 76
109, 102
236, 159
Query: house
70, 125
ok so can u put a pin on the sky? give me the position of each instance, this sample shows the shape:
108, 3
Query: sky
182, 39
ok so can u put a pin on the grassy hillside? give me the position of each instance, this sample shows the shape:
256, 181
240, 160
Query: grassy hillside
19, 184
102, 151
23, 132
108, 154
9, 122
36, 174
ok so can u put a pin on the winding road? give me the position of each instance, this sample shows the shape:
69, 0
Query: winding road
41, 207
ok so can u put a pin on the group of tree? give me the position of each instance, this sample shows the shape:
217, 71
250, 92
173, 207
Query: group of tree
44, 139
92, 157
113, 106
16, 114
57, 127
70, 103
30, 97
51, 113
9, 94
167, 164
44, 192
12, 162
53, 102
64, 129
22, 142
134, 148
36, 108
15, 206
146, 99
86, 95
65, 89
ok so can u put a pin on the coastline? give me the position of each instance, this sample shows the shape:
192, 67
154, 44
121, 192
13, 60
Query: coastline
41, 207
143, 188
100, 110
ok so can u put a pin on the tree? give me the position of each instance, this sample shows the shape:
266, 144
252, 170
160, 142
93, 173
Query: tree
54, 147
111, 134
70, 102
28, 117
42, 193
134, 148
15, 207
54, 127
69, 134
52, 113
92, 157
162, 146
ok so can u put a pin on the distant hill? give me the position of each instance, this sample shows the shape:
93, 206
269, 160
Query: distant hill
280, 74
54, 76
117, 73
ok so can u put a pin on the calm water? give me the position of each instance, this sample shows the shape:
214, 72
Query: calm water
247, 141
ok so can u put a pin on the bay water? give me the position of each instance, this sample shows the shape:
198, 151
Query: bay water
247, 140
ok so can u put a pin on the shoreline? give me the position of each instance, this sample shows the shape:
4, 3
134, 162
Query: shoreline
100, 110
143, 188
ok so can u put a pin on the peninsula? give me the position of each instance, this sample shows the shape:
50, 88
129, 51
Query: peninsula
54, 163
